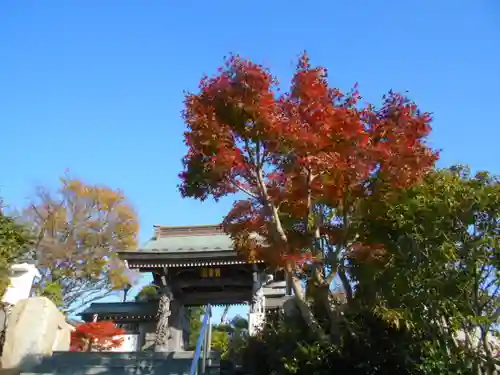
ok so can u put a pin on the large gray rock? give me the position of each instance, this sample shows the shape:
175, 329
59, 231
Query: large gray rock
35, 329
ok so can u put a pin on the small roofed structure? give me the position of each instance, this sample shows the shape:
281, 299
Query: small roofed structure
191, 266
198, 263
121, 312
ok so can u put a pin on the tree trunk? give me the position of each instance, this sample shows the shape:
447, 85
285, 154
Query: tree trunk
303, 306
281, 237
224, 314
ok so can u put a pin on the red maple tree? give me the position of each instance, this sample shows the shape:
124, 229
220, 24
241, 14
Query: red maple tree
97, 336
304, 159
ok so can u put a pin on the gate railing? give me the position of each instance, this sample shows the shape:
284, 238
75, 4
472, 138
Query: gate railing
202, 350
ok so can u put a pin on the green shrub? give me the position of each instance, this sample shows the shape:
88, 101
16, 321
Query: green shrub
367, 346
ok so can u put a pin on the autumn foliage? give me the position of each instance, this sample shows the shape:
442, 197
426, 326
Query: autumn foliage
80, 227
304, 159
97, 336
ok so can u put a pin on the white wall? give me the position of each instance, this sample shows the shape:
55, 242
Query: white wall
130, 343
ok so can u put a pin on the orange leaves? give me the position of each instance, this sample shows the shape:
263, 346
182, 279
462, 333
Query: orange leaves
367, 253
398, 131
99, 336
81, 227
300, 258
98, 202
86, 210
233, 110
291, 152
246, 225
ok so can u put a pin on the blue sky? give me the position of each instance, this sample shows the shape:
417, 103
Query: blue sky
96, 87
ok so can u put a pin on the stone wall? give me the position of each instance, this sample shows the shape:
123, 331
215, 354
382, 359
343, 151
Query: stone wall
35, 329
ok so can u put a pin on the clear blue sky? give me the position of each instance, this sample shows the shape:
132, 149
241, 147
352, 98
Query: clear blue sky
97, 86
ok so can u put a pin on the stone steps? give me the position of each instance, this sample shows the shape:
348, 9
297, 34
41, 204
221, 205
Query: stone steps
134, 363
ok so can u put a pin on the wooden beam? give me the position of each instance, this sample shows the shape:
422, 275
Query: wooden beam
216, 298
214, 282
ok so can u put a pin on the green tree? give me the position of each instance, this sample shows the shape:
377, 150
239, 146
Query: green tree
194, 314
220, 341
147, 293
79, 229
238, 328
369, 346
230, 337
226, 338
239, 323
15, 240
437, 266
425, 268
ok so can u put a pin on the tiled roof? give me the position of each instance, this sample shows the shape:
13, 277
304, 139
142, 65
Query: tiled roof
186, 246
190, 243
73, 322
122, 308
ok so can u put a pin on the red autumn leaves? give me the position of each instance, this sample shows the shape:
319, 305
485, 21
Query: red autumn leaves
97, 336
289, 152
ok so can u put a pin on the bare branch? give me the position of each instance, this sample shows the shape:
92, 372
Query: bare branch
243, 190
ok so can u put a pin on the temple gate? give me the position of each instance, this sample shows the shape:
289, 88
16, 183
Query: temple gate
191, 266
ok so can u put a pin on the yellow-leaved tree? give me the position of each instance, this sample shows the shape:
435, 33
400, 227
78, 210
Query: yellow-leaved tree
80, 228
